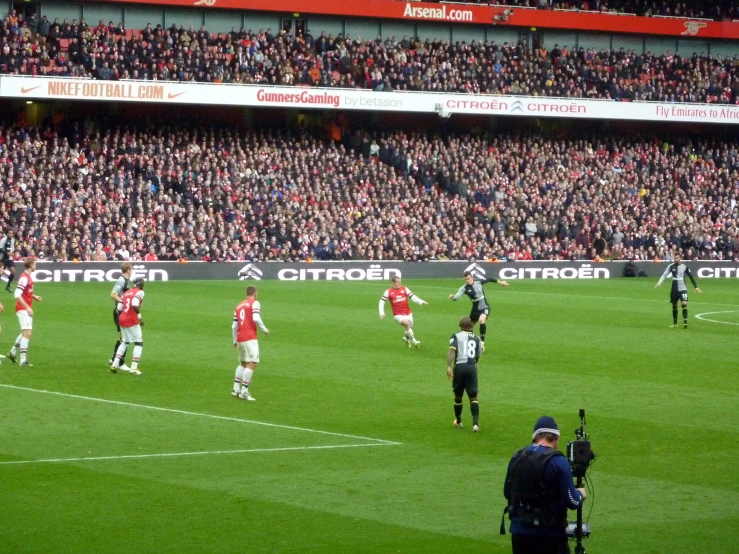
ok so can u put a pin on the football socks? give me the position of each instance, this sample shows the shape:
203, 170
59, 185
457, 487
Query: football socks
115, 350
16, 345
674, 314
24, 349
238, 378
120, 354
246, 379
475, 409
483, 330
458, 409
685, 316
136, 355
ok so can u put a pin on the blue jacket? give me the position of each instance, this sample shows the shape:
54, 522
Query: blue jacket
557, 476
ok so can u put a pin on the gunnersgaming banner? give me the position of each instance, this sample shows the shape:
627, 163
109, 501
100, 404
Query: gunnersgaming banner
364, 271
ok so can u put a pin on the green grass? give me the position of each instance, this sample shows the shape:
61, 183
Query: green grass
661, 403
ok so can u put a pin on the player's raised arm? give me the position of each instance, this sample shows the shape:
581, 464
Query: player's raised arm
494, 280
459, 294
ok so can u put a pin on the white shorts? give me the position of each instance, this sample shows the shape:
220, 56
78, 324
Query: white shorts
249, 351
25, 320
131, 334
401, 318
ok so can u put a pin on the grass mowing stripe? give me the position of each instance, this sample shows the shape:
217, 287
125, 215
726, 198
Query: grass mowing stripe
198, 414
182, 454
630, 298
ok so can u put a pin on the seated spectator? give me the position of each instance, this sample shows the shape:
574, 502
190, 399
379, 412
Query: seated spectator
86, 192
176, 54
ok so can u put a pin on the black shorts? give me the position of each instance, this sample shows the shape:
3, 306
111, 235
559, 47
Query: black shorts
465, 379
116, 315
476, 313
678, 296
8, 264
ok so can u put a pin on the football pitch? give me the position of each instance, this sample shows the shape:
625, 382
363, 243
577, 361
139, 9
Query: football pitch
350, 446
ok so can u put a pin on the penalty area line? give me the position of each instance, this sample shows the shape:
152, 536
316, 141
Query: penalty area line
199, 414
183, 454
700, 316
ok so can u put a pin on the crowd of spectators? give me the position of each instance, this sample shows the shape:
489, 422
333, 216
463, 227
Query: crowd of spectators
88, 191
109, 51
716, 9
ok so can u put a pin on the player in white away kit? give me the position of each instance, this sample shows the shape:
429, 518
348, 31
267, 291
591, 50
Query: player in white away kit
247, 316
398, 296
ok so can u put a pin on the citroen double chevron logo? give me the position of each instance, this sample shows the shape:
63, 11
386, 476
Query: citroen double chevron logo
250, 271
517, 107
476, 271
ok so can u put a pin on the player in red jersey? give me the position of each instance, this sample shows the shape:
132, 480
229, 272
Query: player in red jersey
247, 317
24, 298
131, 323
398, 296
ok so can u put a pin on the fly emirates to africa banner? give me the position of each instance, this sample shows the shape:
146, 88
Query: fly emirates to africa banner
165, 92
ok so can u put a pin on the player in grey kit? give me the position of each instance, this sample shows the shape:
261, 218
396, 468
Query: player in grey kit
464, 350
480, 307
679, 292
122, 284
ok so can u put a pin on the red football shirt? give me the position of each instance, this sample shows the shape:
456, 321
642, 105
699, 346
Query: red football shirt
399, 300
25, 285
246, 328
129, 317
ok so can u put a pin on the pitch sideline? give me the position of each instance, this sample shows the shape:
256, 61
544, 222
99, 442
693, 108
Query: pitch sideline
183, 454
200, 414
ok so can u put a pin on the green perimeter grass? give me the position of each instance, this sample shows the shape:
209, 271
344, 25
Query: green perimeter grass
661, 403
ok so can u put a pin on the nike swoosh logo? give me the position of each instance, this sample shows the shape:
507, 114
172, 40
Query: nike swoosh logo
25, 90
172, 96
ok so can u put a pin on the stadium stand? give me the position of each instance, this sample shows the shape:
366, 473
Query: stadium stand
717, 9
89, 191
109, 51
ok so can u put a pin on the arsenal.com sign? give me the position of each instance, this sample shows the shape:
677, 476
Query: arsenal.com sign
51, 272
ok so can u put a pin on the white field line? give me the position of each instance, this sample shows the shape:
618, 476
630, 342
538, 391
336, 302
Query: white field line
700, 316
199, 414
508, 291
181, 454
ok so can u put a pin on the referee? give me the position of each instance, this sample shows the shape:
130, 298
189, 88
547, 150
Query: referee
7, 247
465, 349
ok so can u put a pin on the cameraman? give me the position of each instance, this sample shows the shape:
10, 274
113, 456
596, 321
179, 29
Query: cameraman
540, 488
